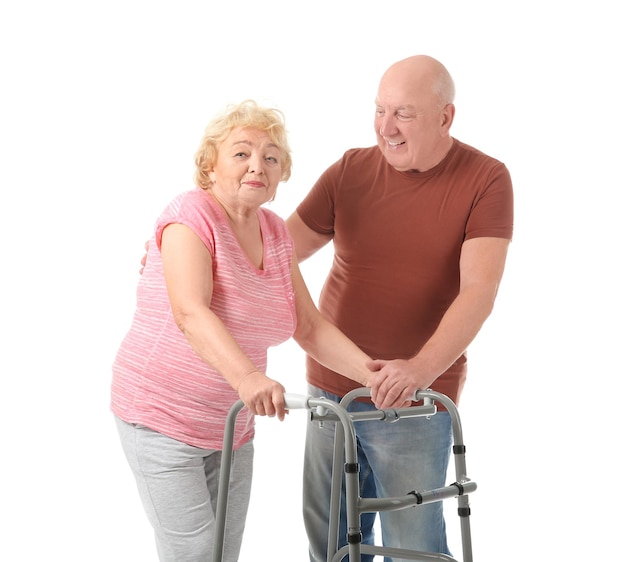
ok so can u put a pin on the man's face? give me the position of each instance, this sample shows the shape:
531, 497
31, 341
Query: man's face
410, 127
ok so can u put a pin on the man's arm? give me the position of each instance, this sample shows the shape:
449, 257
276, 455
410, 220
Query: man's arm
481, 269
307, 241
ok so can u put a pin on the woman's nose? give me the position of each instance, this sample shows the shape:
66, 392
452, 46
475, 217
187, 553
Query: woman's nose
255, 165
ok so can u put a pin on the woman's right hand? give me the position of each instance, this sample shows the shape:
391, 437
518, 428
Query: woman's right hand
262, 396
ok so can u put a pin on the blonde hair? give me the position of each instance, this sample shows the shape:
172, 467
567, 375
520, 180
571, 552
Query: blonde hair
247, 114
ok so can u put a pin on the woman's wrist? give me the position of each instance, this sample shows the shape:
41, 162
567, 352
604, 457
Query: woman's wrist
244, 377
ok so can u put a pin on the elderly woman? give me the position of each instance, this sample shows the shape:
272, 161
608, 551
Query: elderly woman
220, 286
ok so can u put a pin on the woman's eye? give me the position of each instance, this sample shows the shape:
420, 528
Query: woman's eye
272, 159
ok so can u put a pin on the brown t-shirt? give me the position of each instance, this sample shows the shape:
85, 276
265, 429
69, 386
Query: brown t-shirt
397, 238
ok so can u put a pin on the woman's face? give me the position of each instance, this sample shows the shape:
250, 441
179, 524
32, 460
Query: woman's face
248, 168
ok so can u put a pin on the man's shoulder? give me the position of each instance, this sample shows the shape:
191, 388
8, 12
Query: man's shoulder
472, 152
363, 152
361, 157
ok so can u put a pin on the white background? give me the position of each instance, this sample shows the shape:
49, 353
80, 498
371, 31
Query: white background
102, 105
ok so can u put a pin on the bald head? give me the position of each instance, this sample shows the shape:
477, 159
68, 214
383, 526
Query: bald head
421, 74
414, 113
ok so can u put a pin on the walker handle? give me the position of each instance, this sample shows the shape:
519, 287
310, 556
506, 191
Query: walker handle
296, 401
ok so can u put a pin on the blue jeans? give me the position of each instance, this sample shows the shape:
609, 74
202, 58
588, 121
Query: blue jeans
394, 459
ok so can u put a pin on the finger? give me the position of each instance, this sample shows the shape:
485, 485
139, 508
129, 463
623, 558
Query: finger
375, 364
268, 404
279, 404
377, 383
388, 397
375, 392
260, 408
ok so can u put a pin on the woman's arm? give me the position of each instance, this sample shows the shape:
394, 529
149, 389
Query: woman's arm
188, 270
322, 340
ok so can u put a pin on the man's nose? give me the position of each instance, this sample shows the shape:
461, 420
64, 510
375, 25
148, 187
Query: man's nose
386, 126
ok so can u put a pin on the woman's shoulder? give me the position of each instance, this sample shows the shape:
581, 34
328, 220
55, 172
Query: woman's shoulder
273, 222
196, 197
191, 203
271, 217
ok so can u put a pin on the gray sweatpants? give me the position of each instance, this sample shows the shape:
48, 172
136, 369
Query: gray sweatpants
178, 487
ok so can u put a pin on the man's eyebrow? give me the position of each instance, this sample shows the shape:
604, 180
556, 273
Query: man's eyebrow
405, 107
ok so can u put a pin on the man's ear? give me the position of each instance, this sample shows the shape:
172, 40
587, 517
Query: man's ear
447, 116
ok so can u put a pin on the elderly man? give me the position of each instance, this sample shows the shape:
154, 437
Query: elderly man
421, 225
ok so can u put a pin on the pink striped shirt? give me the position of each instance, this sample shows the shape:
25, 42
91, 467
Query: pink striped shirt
158, 380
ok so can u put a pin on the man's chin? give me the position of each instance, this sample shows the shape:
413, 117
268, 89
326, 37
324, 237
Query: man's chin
397, 161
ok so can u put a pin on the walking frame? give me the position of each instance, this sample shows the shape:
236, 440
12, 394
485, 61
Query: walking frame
322, 410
